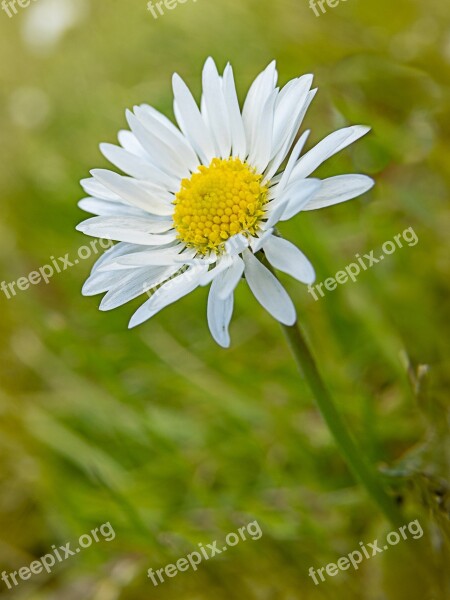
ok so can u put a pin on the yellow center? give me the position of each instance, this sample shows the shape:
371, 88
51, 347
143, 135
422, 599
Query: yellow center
217, 202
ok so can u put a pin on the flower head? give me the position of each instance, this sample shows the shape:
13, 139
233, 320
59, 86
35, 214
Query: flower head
200, 202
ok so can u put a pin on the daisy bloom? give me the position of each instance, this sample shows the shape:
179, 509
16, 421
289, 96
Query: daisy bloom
200, 202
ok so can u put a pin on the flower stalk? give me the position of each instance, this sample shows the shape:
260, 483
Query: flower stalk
359, 466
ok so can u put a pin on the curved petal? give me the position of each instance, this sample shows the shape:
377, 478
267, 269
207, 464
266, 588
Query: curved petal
168, 293
150, 110
274, 212
219, 313
216, 108
191, 122
129, 143
119, 249
339, 189
178, 144
239, 143
135, 230
138, 194
258, 242
99, 282
236, 244
227, 281
96, 189
298, 195
133, 285
333, 143
268, 290
260, 90
280, 156
221, 265
260, 149
159, 150
158, 257
287, 258
138, 167
106, 208
285, 177
290, 103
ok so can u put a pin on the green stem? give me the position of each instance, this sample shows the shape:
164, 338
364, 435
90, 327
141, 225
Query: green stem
360, 468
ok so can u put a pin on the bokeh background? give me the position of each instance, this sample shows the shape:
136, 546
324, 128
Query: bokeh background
159, 431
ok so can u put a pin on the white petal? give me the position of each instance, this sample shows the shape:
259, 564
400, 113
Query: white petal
106, 208
274, 212
133, 285
117, 250
329, 146
284, 181
216, 108
219, 314
164, 120
180, 148
199, 259
239, 144
290, 202
290, 103
286, 257
98, 190
159, 151
191, 122
141, 223
299, 194
258, 241
261, 146
260, 90
229, 279
279, 158
268, 290
154, 257
129, 143
138, 167
139, 194
134, 230
221, 265
339, 189
236, 244
169, 292
99, 282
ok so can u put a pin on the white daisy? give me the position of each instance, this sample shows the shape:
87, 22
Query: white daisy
200, 203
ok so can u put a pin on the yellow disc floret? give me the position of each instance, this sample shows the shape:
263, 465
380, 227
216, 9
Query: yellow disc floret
218, 201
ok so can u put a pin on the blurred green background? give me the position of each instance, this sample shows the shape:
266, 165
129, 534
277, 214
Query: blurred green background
159, 431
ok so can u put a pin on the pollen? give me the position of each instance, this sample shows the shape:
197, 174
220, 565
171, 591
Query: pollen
218, 201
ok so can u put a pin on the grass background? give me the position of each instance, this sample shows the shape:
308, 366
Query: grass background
159, 431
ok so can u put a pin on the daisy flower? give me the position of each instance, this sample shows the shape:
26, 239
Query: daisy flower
200, 202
